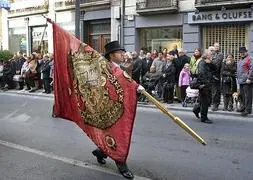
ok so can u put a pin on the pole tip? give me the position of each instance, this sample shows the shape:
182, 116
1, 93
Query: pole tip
204, 143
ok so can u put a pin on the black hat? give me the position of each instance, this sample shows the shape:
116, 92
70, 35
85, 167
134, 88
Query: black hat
111, 47
242, 49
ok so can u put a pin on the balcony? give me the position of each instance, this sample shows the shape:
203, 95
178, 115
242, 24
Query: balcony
156, 6
70, 4
29, 7
214, 4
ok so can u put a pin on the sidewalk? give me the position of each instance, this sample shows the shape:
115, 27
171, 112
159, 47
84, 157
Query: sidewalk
175, 107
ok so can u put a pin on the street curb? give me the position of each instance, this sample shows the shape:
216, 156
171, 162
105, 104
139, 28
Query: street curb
169, 107
187, 109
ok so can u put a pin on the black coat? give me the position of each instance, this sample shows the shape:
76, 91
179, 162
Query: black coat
169, 73
45, 70
137, 67
228, 78
8, 70
205, 73
180, 62
217, 61
144, 67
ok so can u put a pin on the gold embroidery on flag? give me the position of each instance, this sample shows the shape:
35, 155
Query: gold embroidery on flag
89, 73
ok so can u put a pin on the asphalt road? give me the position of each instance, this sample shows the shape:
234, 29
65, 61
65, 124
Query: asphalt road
35, 146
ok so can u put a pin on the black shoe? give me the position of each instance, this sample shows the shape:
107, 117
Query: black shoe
196, 114
208, 121
32, 90
240, 110
124, 171
215, 109
245, 113
100, 157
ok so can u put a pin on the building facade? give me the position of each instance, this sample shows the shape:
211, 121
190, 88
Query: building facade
28, 31
158, 24
146, 24
227, 22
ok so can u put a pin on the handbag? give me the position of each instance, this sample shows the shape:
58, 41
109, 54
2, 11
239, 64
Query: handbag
194, 83
18, 78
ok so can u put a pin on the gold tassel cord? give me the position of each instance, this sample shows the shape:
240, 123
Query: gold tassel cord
176, 119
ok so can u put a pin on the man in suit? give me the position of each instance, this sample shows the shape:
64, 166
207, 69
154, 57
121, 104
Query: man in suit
114, 54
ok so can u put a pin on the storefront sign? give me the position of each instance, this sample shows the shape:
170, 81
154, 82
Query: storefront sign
38, 33
221, 16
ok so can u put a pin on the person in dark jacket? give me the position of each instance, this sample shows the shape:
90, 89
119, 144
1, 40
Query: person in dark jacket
137, 67
149, 61
228, 81
19, 61
8, 75
45, 74
205, 79
169, 73
217, 60
180, 62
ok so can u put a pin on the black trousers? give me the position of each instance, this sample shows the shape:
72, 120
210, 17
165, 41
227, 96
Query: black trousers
168, 93
7, 79
228, 101
1, 82
216, 94
30, 82
246, 97
103, 155
46, 84
204, 103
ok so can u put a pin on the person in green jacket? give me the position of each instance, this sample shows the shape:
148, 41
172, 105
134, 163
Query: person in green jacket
194, 62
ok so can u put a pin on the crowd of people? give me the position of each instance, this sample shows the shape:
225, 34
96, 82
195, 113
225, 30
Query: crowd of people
28, 73
167, 76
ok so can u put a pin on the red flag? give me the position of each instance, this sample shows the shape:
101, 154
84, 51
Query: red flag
98, 96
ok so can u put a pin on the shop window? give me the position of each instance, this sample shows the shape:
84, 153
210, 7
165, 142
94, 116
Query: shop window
17, 39
39, 39
229, 36
159, 38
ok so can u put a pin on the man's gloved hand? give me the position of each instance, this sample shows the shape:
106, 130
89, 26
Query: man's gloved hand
140, 88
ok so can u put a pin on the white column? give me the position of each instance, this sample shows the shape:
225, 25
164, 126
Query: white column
5, 35
115, 23
51, 15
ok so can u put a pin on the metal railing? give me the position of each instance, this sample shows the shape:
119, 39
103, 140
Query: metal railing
152, 4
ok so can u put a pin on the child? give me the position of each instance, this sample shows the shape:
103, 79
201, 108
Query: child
184, 80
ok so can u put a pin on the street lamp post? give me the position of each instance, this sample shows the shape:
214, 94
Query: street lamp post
77, 19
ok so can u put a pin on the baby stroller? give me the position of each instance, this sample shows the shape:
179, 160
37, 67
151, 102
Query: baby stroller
192, 97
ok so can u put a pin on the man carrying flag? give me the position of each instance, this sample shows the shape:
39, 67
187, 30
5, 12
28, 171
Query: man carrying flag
92, 91
115, 55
